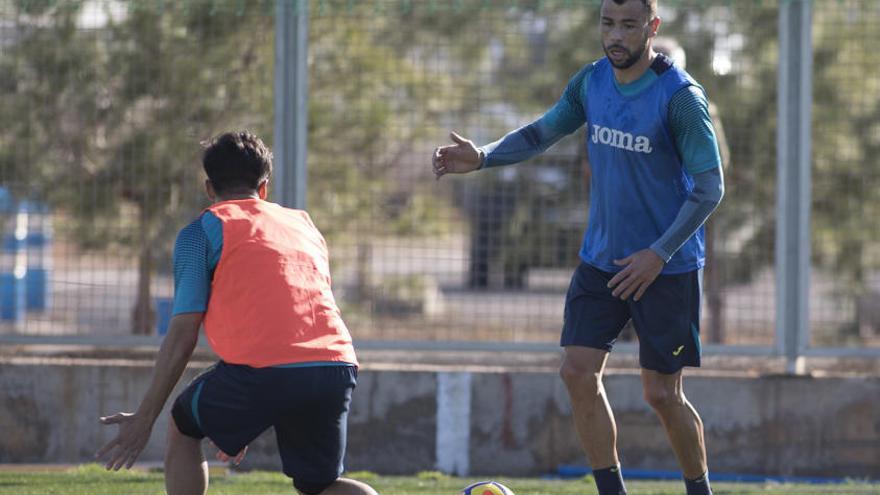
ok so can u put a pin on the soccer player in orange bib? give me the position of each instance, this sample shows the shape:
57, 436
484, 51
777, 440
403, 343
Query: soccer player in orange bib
258, 276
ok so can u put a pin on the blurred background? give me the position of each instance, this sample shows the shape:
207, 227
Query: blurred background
104, 103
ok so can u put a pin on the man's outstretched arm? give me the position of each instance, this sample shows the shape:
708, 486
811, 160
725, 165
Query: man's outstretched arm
526, 142
135, 428
565, 117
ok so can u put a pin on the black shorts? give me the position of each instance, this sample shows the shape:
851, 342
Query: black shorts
307, 406
666, 318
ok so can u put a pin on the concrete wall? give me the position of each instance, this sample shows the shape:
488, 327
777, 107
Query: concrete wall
519, 422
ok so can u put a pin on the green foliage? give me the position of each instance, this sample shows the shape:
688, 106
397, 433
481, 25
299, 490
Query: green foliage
846, 146
108, 121
745, 98
104, 122
360, 86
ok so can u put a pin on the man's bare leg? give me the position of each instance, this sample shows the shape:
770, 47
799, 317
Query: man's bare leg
665, 393
582, 371
186, 470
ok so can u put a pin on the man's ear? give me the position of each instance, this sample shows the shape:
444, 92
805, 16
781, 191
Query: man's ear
655, 26
209, 190
263, 189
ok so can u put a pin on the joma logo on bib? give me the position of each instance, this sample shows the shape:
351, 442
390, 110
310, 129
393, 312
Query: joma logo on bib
620, 139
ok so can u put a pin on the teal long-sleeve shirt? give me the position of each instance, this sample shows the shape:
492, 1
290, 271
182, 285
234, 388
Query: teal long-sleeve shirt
690, 125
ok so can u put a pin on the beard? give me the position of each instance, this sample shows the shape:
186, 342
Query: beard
629, 61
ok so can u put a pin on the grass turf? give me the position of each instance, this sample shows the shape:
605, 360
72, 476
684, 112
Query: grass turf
93, 480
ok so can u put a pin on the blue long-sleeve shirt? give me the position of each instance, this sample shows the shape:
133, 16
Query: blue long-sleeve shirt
690, 127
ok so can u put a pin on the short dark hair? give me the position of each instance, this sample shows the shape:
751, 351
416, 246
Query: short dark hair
651, 5
236, 162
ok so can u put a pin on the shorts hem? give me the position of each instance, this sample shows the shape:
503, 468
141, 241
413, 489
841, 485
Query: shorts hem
308, 488
666, 371
601, 347
183, 423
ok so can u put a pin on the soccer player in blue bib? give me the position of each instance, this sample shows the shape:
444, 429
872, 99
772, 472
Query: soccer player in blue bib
656, 178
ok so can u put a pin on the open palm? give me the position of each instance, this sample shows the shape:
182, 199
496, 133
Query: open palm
459, 158
133, 435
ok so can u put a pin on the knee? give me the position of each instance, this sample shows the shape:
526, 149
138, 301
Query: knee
178, 441
661, 398
174, 435
580, 380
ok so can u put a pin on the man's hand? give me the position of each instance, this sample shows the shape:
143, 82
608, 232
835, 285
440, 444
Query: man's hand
641, 269
224, 457
134, 432
459, 158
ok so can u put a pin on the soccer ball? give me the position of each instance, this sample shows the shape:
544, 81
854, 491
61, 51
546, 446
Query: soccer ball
487, 488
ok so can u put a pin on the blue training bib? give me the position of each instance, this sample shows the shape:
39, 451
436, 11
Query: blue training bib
638, 183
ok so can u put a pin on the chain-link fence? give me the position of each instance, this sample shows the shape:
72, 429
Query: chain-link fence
103, 107
845, 293
104, 103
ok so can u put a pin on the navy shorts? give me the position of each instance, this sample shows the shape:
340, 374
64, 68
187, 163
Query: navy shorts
666, 318
307, 406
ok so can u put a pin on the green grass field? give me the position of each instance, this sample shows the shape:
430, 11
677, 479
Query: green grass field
93, 480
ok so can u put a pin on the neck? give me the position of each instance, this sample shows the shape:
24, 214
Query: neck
637, 70
232, 197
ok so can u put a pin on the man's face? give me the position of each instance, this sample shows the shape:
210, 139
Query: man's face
625, 29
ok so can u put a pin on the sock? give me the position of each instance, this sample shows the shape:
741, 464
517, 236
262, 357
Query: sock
609, 481
699, 486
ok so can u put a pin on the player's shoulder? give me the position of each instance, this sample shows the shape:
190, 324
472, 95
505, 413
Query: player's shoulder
191, 227
581, 79
673, 78
690, 96
199, 227
599, 68
593, 66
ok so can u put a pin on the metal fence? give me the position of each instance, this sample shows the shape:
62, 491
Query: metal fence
103, 105
845, 292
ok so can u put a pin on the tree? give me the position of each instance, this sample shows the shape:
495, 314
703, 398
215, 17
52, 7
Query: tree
373, 100
107, 121
846, 142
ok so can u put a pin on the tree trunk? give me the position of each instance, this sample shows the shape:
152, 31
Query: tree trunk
713, 291
364, 272
143, 317
713, 278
